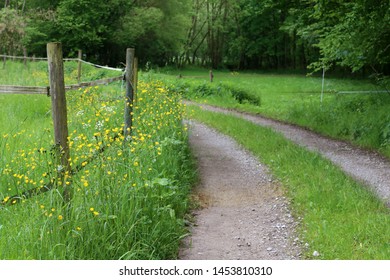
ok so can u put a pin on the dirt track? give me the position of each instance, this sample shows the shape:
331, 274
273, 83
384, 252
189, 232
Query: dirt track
368, 167
244, 214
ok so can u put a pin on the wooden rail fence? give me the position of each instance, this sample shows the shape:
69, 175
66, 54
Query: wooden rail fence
24, 90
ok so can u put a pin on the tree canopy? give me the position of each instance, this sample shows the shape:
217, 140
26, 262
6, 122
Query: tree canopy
238, 34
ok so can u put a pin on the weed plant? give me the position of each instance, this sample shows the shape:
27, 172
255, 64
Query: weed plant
128, 202
339, 218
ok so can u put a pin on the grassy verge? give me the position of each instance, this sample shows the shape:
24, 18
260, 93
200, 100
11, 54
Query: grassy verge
127, 203
341, 219
362, 119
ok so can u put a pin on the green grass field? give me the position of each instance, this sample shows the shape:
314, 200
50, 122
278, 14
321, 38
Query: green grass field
128, 202
361, 118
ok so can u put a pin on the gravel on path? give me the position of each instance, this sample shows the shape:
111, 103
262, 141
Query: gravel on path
244, 214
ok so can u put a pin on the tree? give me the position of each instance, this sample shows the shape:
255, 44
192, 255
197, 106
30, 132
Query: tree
83, 24
12, 31
156, 28
353, 34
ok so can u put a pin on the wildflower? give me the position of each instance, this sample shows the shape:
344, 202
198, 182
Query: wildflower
80, 113
60, 217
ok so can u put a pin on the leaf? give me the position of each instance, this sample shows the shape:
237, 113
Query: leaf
162, 181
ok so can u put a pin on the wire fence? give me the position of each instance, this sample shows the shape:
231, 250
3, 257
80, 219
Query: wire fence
18, 89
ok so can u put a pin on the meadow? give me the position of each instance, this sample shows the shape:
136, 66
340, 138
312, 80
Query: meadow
361, 118
129, 196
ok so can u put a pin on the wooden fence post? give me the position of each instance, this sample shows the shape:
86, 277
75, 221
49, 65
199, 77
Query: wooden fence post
135, 77
80, 56
4, 60
59, 112
24, 56
129, 92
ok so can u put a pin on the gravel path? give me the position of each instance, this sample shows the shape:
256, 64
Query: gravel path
244, 214
368, 167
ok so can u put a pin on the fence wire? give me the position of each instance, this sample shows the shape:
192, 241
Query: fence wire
14, 89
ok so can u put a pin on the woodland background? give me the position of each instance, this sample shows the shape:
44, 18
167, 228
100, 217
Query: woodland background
235, 34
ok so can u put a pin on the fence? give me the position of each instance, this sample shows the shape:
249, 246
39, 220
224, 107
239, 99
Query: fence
12, 89
56, 90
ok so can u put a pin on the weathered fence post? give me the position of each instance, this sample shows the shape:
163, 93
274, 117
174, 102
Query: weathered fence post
129, 91
4, 60
211, 76
24, 56
59, 112
135, 77
80, 56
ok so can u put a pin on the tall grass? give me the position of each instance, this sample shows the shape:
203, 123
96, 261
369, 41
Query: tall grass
339, 217
128, 202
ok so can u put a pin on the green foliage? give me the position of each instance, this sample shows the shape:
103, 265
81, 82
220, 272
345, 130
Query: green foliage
244, 34
243, 95
222, 90
84, 24
352, 34
12, 31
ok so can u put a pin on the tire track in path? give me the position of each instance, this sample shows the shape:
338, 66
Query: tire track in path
368, 167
